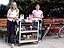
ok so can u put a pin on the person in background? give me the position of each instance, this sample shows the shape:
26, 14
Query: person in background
39, 15
12, 15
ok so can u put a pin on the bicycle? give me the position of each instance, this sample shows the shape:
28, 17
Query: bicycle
58, 32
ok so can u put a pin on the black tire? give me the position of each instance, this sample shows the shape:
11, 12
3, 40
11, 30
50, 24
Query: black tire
61, 32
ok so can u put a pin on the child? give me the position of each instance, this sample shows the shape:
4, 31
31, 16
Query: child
39, 15
12, 15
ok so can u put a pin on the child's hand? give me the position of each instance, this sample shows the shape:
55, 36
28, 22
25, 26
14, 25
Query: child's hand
15, 18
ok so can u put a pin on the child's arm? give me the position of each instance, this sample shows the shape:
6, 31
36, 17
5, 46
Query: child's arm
42, 16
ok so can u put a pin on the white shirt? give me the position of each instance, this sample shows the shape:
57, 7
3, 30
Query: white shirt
37, 13
12, 14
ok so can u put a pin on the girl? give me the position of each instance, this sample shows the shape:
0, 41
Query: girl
39, 15
12, 15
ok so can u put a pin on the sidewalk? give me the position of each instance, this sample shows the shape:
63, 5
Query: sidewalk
46, 43
5, 45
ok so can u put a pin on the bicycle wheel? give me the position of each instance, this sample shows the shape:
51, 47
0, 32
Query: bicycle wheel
61, 32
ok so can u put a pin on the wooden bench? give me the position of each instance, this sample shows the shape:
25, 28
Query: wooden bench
3, 22
53, 21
